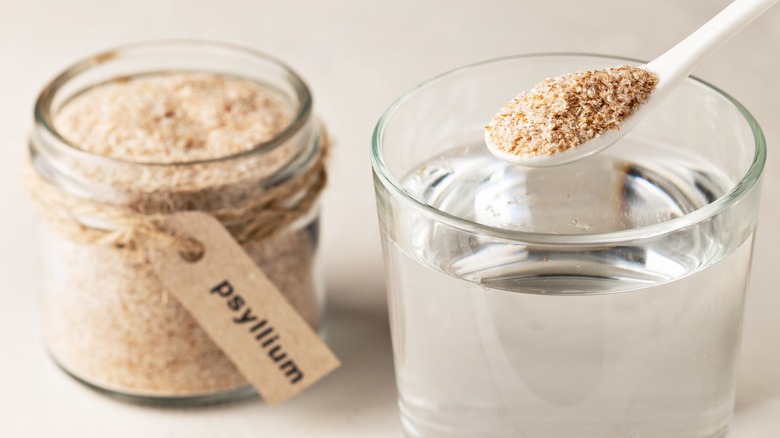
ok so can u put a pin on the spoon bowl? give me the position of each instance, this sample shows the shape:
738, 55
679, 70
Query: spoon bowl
671, 69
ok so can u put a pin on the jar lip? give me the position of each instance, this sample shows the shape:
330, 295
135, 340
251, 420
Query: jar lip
385, 177
43, 114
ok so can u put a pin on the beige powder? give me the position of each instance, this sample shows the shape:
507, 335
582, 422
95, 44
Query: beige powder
173, 118
564, 112
108, 320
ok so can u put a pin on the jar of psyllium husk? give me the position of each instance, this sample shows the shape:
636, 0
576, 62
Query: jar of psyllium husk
134, 134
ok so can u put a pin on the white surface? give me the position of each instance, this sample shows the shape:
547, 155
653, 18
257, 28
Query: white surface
357, 56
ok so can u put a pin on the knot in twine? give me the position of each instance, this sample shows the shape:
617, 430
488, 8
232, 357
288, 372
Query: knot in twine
130, 229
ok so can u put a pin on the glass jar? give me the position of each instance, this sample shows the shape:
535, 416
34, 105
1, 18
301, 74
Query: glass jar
108, 321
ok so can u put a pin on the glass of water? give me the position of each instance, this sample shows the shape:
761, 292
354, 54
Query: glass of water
602, 298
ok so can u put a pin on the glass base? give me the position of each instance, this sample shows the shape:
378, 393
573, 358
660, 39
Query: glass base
209, 399
412, 431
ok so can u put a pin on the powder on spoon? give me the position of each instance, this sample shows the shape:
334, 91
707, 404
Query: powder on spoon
564, 112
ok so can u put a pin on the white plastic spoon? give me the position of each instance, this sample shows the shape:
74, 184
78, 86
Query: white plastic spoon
671, 68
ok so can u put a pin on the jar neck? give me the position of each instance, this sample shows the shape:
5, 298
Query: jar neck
204, 184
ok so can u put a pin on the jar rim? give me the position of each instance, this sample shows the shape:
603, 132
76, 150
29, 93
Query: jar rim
54, 139
385, 177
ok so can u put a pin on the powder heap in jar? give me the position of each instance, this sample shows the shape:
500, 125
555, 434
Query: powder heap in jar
564, 112
173, 118
108, 319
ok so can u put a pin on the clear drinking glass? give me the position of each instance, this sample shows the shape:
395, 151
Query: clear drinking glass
601, 298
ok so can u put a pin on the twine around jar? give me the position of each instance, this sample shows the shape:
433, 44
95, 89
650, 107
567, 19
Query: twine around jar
256, 218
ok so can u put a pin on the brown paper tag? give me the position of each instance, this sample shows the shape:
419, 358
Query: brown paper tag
242, 311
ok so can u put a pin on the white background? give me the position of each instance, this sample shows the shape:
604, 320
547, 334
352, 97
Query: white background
357, 57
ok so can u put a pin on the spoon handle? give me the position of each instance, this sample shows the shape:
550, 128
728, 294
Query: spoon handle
680, 61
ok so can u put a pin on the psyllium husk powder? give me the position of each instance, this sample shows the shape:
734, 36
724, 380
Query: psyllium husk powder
564, 112
111, 155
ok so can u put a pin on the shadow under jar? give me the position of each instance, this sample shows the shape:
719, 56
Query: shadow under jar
146, 130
